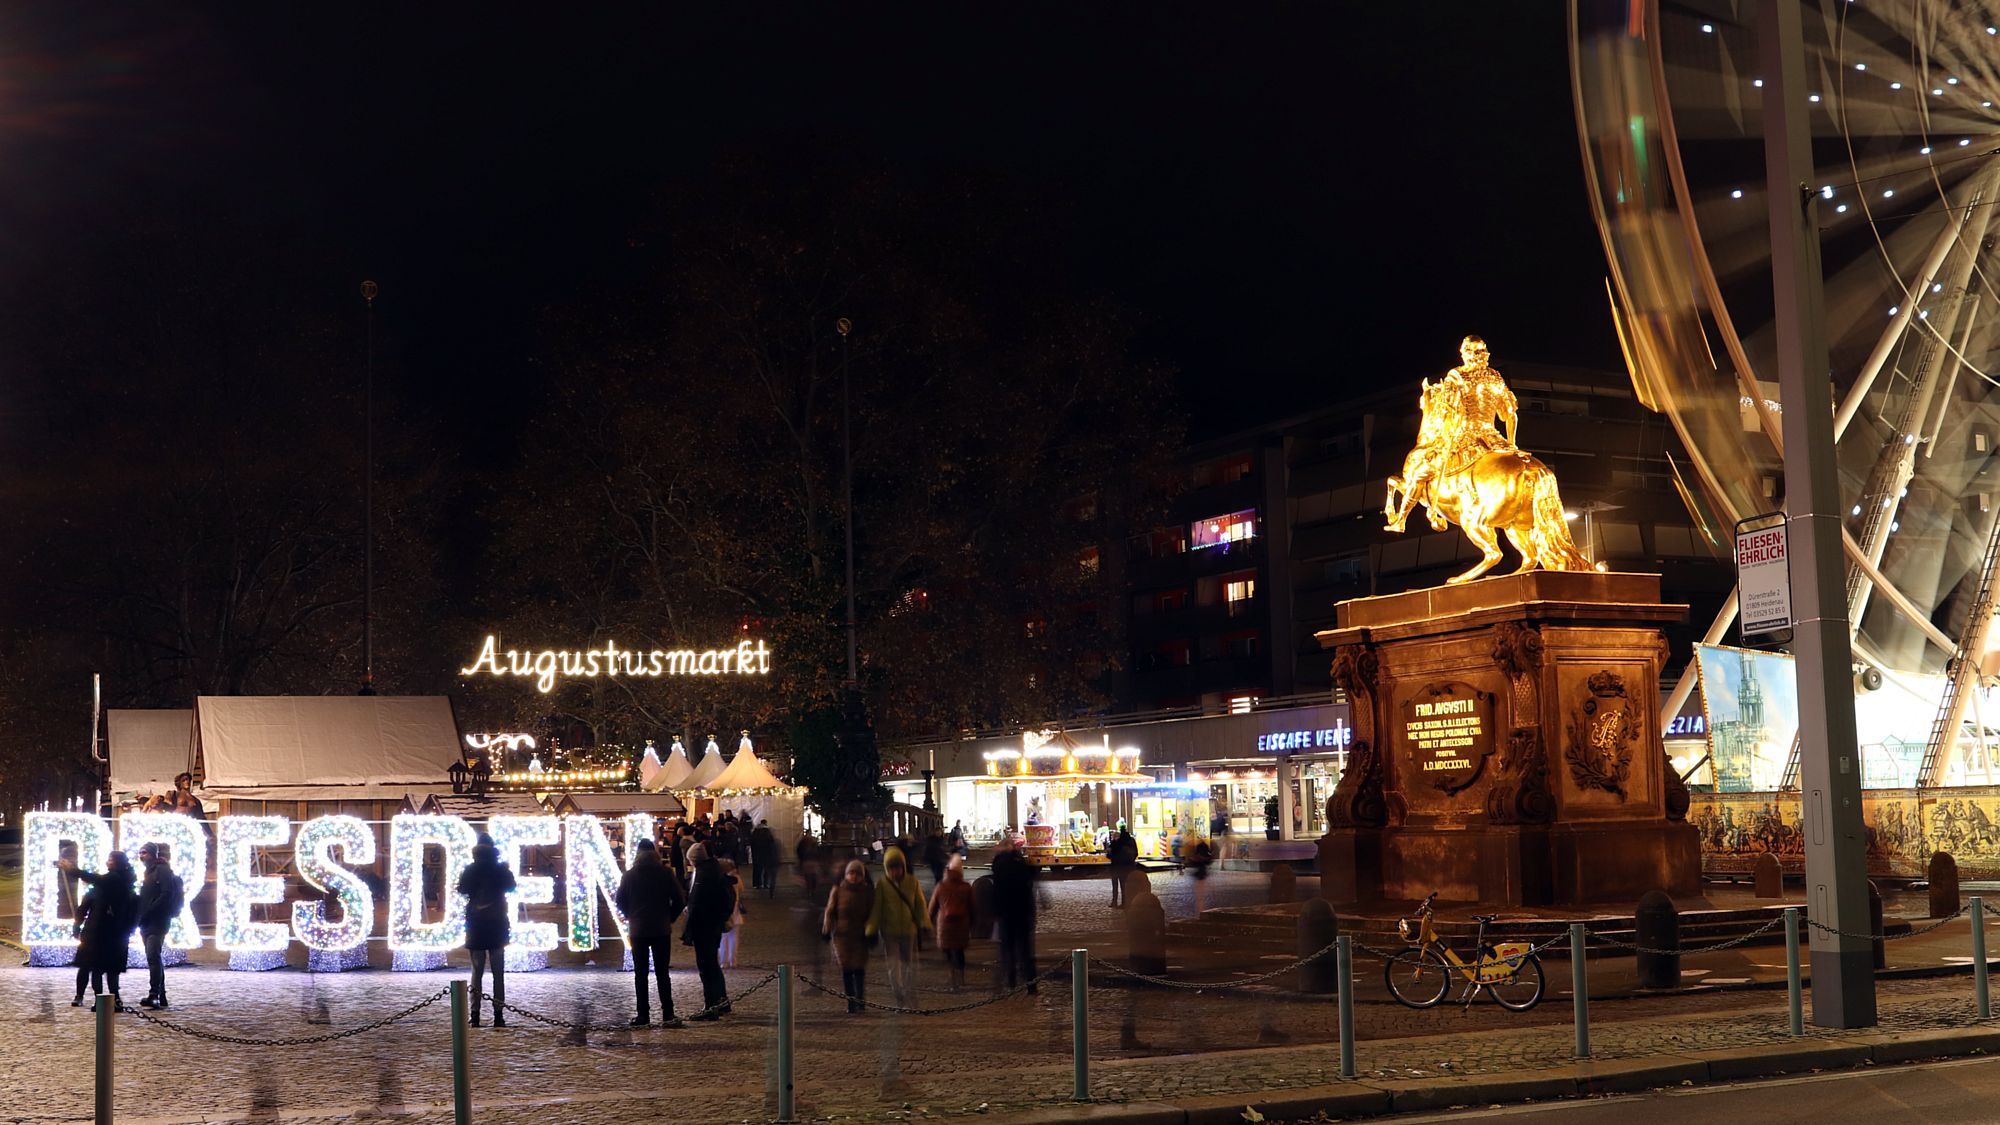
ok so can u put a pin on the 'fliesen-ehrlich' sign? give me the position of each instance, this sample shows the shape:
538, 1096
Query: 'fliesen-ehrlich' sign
1763, 581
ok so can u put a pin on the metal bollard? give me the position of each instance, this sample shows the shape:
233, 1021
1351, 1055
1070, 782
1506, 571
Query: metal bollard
1792, 989
785, 1043
461, 1082
1079, 1014
106, 1013
1978, 912
1579, 984
1345, 957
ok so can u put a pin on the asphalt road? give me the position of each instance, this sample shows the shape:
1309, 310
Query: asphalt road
1957, 1090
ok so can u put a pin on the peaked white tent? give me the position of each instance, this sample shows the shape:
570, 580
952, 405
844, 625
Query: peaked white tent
751, 789
148, 749
649, 765
673, 773
705, 771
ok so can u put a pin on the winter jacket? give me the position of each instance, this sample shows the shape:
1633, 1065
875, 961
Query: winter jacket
485, 883
710, 904
951, 911
899, 906
650, 897
1014, 891
846, 920
105, 920
157, 894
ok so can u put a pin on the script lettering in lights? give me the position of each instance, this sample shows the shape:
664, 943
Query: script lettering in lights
546, 666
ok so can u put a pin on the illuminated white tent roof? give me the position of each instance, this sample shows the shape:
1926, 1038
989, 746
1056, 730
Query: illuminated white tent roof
673, 772
649, 765
148, 750
705, 771
745, 772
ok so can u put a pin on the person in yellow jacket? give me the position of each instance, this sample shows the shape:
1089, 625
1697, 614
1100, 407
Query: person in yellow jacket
900, 919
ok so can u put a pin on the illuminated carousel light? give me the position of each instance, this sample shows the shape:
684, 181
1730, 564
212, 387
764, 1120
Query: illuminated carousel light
238, 888
187, 857
590, 871
337, 940
512, 834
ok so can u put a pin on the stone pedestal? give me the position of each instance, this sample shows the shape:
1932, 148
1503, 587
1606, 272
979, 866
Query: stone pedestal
1507, 745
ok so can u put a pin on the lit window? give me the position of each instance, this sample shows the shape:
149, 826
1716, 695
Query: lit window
1980, 442
1241, 590
1225, 529
1242, 704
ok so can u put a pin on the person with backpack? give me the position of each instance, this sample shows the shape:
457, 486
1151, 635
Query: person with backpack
485, 883
161, 897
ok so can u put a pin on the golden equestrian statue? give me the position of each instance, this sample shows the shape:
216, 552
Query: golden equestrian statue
1465, 471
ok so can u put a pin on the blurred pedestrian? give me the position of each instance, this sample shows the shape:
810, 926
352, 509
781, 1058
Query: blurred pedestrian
809, 865
951, 918
1199, 858
1123, 852
1014, 878
934, 856
845, 923
104, 921
485, 883
900, 920
729, 936
161, 896
763, 859
710, 904
650, 897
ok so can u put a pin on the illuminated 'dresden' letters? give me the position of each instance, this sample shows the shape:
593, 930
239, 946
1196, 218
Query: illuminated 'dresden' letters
591, 873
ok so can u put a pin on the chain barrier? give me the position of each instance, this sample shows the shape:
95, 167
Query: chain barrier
1038, 978
301, 1041
715, 1009
1741, 939
1220, 986
1914, 931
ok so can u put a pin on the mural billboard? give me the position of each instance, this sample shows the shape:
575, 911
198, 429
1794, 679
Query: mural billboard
1752, 702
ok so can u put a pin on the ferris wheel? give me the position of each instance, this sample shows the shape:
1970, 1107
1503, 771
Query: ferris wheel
1906, 148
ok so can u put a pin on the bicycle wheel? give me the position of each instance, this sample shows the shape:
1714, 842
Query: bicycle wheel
1417, 978
1521, 991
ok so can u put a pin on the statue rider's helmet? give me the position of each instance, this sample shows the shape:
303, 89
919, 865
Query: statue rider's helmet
1473, 351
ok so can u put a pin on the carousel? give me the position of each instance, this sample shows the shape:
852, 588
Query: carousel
1063, 793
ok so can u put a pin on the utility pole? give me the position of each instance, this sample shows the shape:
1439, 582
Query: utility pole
1843, 975
368, 291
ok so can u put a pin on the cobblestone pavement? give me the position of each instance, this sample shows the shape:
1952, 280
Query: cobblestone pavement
1011, 1054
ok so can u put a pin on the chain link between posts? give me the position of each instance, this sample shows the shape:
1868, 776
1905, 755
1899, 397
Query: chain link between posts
1038, 978
1914, 931
715, 1009
301, 1041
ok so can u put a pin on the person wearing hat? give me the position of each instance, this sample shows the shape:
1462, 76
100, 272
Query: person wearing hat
161, 896
649, 895
710, 903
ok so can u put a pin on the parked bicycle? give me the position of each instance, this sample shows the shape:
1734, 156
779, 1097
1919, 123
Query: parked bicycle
1421, 973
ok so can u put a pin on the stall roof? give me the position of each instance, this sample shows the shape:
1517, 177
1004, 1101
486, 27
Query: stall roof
148, 749
619, 804
479, 808
344, 740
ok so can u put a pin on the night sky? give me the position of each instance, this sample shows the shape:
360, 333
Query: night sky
1292, 202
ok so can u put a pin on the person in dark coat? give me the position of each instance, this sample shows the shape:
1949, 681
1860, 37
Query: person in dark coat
485, 883
1014, 879
809, 864
845, 923
651, 899
934, 856
105, 919
1123, 854
161, 896
710, 904
763, 859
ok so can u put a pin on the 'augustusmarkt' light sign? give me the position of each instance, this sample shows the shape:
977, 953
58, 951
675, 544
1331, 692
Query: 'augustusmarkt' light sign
746, 658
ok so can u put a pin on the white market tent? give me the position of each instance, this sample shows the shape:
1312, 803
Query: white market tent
749, 787
323, 747
148, 749
705, 771
673, 772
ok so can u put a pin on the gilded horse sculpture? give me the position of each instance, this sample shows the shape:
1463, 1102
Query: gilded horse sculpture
1465, 471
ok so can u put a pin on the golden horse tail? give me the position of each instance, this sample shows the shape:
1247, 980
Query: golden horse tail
1556, 550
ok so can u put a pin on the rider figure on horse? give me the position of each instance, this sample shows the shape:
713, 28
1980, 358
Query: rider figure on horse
1459, 411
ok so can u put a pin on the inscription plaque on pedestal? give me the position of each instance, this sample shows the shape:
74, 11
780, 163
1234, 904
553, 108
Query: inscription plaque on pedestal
1447, 734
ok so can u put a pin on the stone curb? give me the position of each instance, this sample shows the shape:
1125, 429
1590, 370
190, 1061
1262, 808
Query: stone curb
1373, 1096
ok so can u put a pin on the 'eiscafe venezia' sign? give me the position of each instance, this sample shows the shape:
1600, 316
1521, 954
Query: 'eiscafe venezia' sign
330, 855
